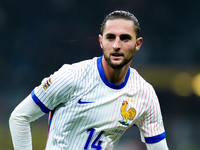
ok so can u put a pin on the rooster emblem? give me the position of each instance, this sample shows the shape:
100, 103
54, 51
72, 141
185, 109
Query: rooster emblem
127, 115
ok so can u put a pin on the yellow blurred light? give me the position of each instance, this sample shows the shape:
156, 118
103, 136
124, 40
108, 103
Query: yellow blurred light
196, 84
181, 84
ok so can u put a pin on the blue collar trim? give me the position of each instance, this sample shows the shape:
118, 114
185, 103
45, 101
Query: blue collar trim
104, 79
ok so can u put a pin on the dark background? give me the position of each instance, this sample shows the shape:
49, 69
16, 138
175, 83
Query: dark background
38, 37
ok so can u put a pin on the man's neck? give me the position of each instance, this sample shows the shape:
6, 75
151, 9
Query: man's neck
115, 76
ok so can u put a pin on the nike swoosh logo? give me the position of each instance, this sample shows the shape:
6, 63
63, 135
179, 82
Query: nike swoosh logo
81, 102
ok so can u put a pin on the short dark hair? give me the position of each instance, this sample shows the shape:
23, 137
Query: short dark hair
120, 14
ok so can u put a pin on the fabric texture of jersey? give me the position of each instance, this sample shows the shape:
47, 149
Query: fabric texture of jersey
89, 112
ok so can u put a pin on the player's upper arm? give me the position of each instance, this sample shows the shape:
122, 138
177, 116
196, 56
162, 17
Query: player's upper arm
151, 125
27, 110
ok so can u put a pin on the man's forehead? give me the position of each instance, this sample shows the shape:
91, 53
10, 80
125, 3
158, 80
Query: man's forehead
119, 25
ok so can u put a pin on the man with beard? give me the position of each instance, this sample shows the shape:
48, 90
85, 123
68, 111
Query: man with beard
93, 102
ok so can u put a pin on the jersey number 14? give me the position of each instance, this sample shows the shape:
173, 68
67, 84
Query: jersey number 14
96, 144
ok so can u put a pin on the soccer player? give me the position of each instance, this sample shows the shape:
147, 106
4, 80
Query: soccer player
93, 102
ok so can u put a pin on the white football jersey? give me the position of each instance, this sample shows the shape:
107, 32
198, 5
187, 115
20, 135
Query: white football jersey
89, 112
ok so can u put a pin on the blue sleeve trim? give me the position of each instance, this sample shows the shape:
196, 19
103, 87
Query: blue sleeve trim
155, 139
39, 103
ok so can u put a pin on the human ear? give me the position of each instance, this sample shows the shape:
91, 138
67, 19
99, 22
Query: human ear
138, 43
100, 40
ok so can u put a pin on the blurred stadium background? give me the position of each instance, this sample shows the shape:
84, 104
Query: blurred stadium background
38, 37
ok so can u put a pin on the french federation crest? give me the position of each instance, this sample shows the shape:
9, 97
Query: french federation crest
127, 114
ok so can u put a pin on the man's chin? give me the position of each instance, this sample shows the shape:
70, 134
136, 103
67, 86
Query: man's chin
116, 65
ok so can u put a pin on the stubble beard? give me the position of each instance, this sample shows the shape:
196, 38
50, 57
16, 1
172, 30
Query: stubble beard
116, 65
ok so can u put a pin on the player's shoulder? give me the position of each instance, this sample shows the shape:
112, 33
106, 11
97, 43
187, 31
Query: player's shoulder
141, 85
78, 66
84, 64
83, 67
72, 73
139, 80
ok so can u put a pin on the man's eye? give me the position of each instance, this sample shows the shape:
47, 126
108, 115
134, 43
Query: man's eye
125, 37
111, 37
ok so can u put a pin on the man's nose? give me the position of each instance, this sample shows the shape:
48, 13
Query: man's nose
117, 44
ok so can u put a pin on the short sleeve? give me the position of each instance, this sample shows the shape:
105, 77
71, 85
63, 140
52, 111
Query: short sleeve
151, 127
54, 90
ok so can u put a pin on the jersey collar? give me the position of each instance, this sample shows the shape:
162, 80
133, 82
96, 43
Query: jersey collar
104, 79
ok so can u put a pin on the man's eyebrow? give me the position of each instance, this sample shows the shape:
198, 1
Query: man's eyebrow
122, 36
108, 34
